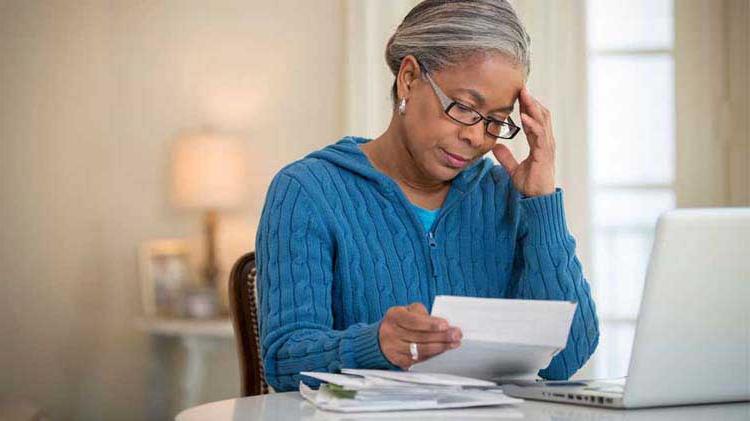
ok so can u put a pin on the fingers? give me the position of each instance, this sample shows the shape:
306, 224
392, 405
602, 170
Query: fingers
531, 125
403, 326
411, 320
505, 157
536, 121
418, 308
531, 107
453, 334
425, 351
429, 350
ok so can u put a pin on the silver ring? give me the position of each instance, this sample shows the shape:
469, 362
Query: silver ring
414, 351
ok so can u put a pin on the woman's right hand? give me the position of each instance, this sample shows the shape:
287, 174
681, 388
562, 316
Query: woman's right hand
404, 325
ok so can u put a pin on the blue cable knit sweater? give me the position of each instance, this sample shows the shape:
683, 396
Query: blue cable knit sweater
338, 244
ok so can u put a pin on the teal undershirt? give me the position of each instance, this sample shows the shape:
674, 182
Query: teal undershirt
427, 217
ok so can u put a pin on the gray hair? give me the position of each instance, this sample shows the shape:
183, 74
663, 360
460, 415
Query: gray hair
442, 33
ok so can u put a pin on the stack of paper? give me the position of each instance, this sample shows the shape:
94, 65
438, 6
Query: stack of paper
502, 339
380, 390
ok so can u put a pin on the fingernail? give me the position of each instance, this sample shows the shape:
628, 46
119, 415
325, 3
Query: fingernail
442, 326
454, 345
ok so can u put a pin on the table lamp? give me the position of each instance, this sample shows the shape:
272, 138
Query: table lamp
209, 173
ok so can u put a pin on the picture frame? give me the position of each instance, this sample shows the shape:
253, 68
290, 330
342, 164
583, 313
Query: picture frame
165, 274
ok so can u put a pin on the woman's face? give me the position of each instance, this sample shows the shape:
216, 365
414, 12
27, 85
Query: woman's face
489, 84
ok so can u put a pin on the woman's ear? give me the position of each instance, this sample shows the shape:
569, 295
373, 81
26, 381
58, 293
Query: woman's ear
407, 74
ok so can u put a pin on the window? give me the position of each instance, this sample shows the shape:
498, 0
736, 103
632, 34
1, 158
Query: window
631, 135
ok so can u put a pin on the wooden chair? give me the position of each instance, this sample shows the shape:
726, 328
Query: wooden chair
244, 310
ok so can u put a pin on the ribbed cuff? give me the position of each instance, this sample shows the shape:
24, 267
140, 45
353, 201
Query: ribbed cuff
366, 348
545, 218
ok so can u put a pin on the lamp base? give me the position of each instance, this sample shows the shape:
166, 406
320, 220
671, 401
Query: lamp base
211, 268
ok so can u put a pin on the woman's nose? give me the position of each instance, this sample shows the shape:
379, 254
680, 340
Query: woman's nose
473, 135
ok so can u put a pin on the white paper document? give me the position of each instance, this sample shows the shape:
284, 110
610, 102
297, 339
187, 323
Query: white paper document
502, 339
428, 379
379, 390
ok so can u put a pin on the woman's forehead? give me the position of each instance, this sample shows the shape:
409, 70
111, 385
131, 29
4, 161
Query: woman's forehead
492, 80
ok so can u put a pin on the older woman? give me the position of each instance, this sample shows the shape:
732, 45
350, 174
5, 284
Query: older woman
356, 239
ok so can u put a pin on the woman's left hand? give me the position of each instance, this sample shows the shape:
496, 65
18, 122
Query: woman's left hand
535, 175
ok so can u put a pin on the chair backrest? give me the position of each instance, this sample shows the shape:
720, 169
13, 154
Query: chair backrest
244, 310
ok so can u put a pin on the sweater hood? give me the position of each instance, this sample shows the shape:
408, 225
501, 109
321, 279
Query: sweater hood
347, 154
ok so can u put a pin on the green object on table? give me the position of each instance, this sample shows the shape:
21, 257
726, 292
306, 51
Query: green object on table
340, 391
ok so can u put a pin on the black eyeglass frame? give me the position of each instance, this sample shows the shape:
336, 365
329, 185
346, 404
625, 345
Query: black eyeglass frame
449, 103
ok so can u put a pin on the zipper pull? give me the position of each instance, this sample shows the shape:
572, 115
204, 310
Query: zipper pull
431, 239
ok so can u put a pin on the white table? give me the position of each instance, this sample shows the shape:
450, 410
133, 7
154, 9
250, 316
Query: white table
290, 406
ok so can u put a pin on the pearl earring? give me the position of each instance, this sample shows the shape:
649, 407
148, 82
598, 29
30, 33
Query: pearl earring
402, 106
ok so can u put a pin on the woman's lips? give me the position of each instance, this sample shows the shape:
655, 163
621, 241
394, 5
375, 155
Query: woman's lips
454, 161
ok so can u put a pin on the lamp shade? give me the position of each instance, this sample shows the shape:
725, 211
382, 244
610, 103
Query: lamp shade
209, 171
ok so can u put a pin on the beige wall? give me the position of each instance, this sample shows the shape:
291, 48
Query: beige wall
712, 76
737, 13
89, 97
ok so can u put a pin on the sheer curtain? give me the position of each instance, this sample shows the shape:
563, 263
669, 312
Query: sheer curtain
369, 24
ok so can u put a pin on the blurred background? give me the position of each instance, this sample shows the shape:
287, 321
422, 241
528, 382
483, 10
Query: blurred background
121, 120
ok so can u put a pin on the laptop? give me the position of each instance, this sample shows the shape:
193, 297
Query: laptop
692, 337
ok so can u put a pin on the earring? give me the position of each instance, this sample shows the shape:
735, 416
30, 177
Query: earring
402, 106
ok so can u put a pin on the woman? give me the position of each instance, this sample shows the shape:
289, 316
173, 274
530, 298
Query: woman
356, 239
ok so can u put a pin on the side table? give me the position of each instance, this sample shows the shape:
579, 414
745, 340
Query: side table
199, 339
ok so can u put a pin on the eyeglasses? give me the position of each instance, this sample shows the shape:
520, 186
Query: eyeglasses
468, 116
